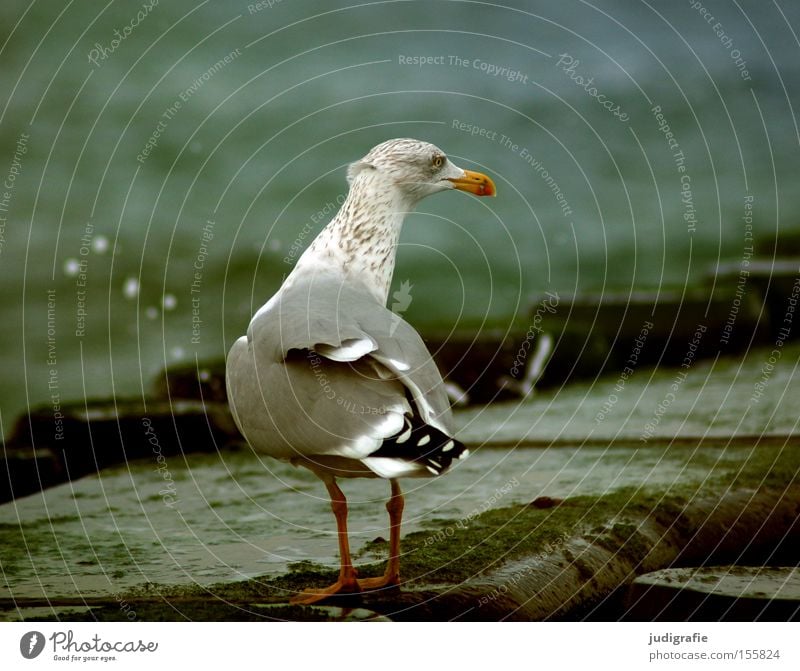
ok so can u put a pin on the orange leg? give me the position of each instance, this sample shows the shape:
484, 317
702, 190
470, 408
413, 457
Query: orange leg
347, 581
392, 575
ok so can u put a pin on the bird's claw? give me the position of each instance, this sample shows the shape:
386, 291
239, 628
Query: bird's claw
312, 596
344, 588
369, 584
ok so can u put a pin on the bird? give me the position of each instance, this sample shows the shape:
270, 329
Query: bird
328, 378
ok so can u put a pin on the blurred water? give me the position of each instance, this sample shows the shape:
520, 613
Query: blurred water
273, 105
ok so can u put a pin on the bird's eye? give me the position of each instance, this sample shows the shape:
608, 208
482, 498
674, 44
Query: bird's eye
438, 161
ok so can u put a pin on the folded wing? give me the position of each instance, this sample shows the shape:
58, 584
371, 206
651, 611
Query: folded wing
325, 371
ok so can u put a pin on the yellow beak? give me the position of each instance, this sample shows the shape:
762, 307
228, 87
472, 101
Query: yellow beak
475, 182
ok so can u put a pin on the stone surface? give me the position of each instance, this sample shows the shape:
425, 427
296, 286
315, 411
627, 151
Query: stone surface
746, 593
712, 402
96, 434
217, 530
209, 518
211, 536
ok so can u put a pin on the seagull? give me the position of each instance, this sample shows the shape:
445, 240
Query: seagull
328, 377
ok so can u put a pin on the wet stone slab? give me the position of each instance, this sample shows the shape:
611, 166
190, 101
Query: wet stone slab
222, 518
715, 592
715, 401
234, 522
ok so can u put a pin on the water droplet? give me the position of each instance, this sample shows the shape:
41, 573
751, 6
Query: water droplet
169, 302
274, 245
100, 244
71, 267
177, 352
151, 312
131, 288
205, 376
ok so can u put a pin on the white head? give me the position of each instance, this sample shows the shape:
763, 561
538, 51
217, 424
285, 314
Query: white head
418, 169
385, 185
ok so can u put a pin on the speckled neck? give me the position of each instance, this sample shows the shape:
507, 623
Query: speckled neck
361, 240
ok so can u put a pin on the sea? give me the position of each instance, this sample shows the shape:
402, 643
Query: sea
164, 164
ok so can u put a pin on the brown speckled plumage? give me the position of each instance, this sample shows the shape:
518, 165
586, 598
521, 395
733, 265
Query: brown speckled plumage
385, 185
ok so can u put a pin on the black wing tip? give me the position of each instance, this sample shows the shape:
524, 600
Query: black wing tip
423, 444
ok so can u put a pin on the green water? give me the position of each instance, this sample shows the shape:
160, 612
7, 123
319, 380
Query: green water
216, 112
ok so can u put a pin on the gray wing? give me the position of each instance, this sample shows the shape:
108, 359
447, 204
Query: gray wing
326, 370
